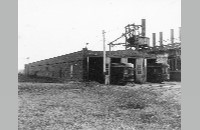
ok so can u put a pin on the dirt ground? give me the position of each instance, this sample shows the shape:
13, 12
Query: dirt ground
93, 106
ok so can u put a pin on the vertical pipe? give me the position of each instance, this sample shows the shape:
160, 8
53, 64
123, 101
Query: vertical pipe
143, 27
161, 38
154, 39
172, 36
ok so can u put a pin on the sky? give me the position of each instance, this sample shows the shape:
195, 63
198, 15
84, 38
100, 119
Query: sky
49, 28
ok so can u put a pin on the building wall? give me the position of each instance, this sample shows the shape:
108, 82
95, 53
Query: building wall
65, 67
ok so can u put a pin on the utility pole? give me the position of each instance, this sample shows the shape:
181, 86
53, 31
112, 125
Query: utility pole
104, 56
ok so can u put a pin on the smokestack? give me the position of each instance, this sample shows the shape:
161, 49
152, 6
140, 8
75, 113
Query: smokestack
172, 36
161, 38
143, 27
154, 39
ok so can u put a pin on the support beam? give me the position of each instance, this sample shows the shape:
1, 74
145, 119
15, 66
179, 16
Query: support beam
140, 70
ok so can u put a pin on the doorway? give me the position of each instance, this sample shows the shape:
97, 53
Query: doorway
96, 69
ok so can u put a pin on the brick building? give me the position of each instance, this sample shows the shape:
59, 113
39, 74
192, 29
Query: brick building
88, 65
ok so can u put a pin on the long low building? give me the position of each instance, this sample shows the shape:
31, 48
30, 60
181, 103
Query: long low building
87, 65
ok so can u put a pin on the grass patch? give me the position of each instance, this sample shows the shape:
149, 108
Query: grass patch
96, 106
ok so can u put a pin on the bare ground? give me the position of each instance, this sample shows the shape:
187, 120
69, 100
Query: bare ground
92, 106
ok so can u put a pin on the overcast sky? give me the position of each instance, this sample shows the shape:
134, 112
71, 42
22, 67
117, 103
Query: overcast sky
49, 28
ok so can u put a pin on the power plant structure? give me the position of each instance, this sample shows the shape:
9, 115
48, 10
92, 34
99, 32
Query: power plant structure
138, 62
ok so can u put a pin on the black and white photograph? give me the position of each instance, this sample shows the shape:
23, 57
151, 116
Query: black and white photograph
99, 64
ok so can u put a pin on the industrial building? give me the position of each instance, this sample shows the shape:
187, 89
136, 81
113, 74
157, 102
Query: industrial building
138, 62
87, 65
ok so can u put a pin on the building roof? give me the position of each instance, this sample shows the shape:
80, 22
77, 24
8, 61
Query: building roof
89, 53
121, 53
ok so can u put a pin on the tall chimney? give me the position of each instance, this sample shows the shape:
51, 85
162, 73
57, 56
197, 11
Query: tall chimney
172, 36
161, 38
154, 39
143, 27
